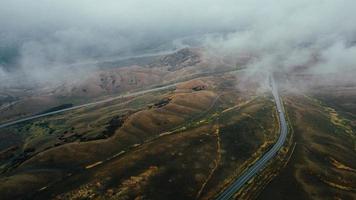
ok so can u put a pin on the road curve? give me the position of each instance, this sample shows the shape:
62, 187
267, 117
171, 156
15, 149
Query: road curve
86, 105
247, 175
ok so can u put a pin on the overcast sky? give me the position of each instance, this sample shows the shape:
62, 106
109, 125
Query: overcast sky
40, 39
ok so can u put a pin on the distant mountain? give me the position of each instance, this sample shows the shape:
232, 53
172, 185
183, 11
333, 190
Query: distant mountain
180, 59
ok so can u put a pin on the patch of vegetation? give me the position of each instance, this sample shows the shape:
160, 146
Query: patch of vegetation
60, 107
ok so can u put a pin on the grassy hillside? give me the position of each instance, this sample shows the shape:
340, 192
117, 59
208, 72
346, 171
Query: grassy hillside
182, 144
322, 165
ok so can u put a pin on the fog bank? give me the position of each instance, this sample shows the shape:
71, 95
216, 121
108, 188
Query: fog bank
45, 41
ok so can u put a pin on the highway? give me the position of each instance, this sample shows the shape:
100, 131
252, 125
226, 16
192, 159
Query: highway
87, 105
253, 170
236, 185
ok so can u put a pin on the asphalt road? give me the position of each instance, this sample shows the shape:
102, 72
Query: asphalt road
86, 105
241, 180
235, 186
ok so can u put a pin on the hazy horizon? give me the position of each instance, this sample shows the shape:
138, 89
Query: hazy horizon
41, 40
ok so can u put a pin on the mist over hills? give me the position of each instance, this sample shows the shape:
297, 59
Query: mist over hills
177, 99
42, 42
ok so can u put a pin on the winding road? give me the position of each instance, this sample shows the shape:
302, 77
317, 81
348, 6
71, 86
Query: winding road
236, 185
253, 170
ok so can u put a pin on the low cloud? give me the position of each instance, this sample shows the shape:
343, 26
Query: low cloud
45, 41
